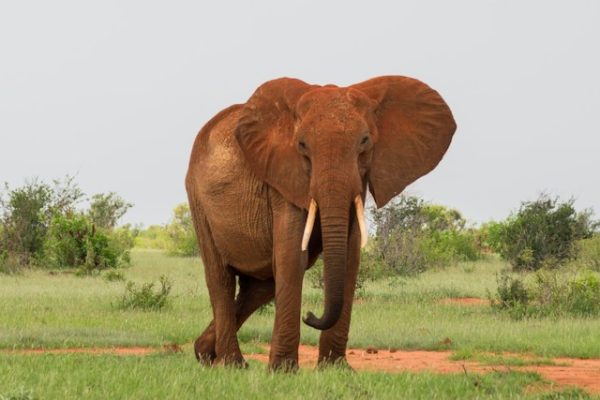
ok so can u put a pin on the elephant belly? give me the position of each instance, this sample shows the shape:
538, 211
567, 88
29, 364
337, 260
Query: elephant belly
234, 202
241, 231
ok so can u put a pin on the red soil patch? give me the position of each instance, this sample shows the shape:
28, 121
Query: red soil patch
470, 301
570, 371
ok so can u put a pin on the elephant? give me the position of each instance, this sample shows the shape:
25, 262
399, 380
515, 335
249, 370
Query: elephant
280, 180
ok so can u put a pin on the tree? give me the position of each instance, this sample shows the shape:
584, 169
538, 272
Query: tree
26, 212
413, 236
40, 225
106, 209
541, 233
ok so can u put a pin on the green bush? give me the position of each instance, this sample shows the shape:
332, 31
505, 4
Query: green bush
413, 236
181, 232
552, 293
559, 294
26, 212
512, 296
314, 276
368, 271
74, 241
542, 233
10, 263
113, 276
40, 226
583, 296
153, 237
67, 242
588, 253
144, 297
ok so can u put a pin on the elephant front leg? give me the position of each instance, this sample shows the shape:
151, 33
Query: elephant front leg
289, 263
333, 341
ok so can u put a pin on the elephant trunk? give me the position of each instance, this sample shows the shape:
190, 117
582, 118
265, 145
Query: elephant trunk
334, 230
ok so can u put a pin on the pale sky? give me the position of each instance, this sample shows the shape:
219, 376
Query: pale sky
114, 92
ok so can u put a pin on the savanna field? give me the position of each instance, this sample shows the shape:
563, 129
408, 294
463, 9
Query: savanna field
57, 309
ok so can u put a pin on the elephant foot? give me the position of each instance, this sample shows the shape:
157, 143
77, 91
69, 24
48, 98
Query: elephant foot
204, 350
282, 364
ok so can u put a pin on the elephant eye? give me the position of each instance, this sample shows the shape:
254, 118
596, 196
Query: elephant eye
364, 140
302, 145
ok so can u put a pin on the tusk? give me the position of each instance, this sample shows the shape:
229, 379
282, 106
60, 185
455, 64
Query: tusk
310, 222
360, 215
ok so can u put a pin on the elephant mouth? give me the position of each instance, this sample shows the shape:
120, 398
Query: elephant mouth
360, 216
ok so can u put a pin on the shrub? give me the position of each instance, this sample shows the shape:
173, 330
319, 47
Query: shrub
583, 295
181, 232
144, 297
113, 276
558, 293
39, 226
66, 245
541, 233
25, 214
489, 236
588, 253
413, 236
74, 241
10, 263
369, 270
153, 237
121, 240
552, 293
266, 309
512, 296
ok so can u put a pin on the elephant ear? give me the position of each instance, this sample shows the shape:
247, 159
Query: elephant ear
414, 129
265, 133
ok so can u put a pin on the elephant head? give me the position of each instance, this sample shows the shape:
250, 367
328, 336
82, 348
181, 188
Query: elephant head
320, 146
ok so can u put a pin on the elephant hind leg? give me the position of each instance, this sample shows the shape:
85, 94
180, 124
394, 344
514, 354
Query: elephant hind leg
220, 280
253, 294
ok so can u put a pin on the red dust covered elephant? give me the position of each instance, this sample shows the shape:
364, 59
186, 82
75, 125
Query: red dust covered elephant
277, 181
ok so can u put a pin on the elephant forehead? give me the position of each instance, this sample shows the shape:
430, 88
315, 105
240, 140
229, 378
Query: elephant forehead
329, 121
325, 97
329, 110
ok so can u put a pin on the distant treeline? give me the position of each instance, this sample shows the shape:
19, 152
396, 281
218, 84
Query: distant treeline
44, 225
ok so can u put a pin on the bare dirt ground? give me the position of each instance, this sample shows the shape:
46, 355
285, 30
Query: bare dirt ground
567, 371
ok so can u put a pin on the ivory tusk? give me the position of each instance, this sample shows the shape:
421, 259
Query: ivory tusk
360, 215
310, 222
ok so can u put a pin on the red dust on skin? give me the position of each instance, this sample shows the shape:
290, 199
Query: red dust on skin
583, 373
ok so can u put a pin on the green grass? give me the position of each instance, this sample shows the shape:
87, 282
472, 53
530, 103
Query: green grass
60, 310
501, 359
180, 377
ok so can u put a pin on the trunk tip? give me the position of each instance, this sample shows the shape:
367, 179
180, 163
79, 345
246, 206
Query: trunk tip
317, 323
